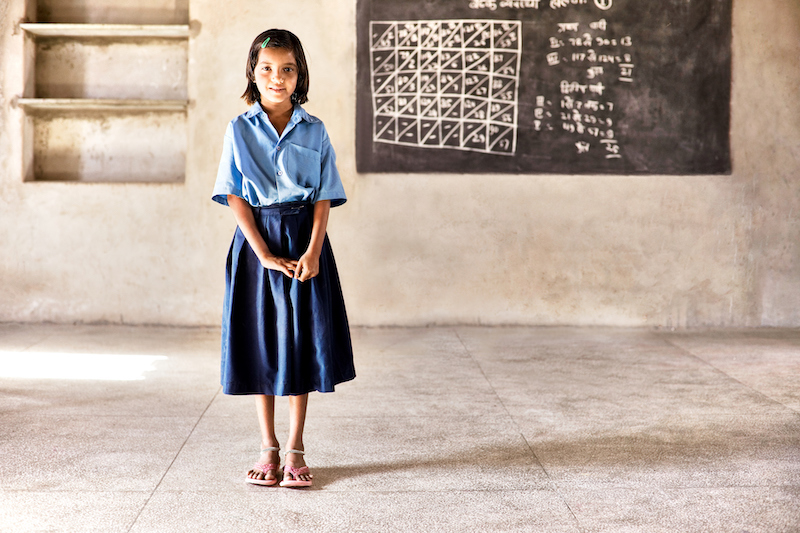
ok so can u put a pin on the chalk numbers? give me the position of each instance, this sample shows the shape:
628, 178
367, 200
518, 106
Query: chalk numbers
446, 84
590, 60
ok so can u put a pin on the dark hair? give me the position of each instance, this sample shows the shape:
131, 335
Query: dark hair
277, 39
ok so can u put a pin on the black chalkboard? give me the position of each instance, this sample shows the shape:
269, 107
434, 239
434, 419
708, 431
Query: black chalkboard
544, 86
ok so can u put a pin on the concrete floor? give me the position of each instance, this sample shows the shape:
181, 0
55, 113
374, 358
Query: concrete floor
445, 429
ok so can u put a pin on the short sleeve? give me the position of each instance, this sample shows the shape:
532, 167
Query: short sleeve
330, 183
229, 178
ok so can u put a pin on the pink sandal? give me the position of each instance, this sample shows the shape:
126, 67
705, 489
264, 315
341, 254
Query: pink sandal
295, 473
264, 468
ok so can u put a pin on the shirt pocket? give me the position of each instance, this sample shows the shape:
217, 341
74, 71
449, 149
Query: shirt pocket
303, 165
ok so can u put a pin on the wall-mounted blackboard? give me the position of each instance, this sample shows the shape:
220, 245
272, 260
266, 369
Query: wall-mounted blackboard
544, 86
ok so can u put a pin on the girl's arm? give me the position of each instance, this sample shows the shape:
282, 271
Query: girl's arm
308, 265
243, 214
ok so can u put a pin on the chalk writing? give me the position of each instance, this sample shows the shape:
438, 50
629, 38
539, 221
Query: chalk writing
603, 4
592, 56
520, 4
483, 4
587, 40
507, 4
449, 84
589, 58
569, 87
599, 25
626, 72
556, 4
534, 4
542, 114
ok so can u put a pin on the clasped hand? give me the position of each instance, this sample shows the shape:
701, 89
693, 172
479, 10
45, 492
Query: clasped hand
301, 269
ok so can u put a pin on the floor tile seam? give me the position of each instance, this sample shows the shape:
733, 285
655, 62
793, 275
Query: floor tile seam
661, 488
271, 491
172, 462
767, 442
763, 453
747, 333
494, 391
76, 491
570, 485
518, 429
429, 417
40, 341
498, 398
705, 415
729, 376
102, 415
346, 417
311, 420
732, 487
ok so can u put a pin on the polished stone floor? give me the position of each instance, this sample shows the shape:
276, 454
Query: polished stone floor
460, 429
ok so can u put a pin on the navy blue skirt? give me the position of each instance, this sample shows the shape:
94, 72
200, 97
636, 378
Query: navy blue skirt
280, 336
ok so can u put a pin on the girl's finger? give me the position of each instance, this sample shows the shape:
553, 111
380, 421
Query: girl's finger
289, 267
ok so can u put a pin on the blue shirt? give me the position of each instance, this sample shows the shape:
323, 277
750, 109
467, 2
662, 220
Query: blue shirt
264, 168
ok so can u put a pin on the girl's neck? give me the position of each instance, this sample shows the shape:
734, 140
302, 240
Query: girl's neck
278, 116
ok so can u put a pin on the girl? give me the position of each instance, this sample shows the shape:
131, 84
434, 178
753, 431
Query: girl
284, 326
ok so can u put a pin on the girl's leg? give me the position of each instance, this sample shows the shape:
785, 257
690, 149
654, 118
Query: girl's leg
265, 409
297, 421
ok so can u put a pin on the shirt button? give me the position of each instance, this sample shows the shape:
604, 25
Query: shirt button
278, 148
280, 173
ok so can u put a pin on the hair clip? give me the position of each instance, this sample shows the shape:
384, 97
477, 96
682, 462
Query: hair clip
264, 44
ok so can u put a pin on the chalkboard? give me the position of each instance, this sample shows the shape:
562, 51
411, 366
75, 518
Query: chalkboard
544, 86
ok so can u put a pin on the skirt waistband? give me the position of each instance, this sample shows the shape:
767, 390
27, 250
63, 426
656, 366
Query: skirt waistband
288, 208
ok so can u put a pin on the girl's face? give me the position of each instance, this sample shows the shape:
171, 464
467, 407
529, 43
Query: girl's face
276, 77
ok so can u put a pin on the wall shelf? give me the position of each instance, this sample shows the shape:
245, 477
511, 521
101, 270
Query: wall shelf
153, 31
100, 104
106, 95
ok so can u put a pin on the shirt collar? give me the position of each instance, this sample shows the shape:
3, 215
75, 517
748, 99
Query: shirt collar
298, 114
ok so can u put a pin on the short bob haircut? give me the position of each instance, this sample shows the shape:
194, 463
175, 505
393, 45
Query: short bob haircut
277, 39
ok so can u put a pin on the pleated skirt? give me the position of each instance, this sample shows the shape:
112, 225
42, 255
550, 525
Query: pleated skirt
280, 336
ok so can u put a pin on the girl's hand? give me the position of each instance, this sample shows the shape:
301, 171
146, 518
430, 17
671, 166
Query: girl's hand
281, 264
307, 266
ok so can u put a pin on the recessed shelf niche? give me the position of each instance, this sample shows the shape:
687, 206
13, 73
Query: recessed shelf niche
105, 101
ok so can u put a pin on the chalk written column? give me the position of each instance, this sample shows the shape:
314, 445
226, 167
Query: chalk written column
589, 62
446, 84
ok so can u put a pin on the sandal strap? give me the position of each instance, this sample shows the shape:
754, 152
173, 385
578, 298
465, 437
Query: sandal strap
270, 449
300, 452
303, 470
265, 467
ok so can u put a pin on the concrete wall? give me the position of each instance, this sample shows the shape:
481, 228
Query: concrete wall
420, 249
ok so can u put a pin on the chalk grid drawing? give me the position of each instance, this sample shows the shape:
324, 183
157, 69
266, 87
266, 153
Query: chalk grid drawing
446, 83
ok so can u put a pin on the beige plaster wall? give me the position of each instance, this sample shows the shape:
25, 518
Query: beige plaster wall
424, 249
